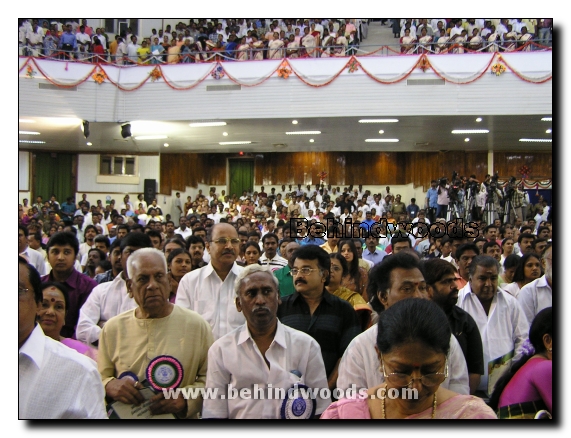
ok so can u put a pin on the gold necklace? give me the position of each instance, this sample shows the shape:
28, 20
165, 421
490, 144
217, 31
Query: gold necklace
383, 405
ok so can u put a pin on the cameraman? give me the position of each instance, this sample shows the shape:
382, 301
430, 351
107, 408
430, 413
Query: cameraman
493, 197
443, 198
431, 201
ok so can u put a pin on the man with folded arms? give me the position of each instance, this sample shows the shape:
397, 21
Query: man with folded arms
164, 344
264, 352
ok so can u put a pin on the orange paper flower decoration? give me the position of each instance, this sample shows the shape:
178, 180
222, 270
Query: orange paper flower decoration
99, 77
155, 74
283, 71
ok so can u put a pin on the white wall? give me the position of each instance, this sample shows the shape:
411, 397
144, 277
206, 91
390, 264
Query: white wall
24, 170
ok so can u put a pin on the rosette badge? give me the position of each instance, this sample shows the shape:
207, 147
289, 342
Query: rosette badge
164, 372
299, 403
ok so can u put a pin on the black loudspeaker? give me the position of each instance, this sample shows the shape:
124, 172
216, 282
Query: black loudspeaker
150, 190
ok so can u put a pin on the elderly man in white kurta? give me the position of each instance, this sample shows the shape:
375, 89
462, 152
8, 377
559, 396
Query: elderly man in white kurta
264, 357
210, 289
502, 324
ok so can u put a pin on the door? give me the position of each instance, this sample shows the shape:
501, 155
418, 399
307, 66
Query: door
241, 173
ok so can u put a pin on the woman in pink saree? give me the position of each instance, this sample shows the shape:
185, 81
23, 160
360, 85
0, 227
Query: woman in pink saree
51, 317
412, 344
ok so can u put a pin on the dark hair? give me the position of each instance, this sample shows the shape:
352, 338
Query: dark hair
465, 247
176, 252
100, 238
414, 320
538, 240
485, 261
154, 233
63, 238
380, 275
342, 260
138, 240
102, 255
34, 278
489, 245
505, 240
353, 266
519, 272
269, 236
542, 324
176, 240
525, 236
63, 289
434, 269
490, 226
511, 261
254, 244
90, 227
135, 227
116, 244
398, 237
194, 240
313, 252
123, 227
24, 230
540, 229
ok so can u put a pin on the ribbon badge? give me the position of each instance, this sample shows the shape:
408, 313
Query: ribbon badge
164, 372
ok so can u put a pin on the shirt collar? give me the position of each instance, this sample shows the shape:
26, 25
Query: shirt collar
279, 337
209, 269
542, 282
34, 346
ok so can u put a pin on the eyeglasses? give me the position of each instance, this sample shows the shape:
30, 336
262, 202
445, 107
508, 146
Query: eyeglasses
303, 271
22, 291
336, 268
224, 241
402, 380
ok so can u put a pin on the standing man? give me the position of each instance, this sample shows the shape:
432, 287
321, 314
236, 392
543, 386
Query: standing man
464, 255
54, 381
283, 275
33, 257
441, 286
270, 256
177, 210
431, 201
502, 324
262, 352
210, 290
331, 321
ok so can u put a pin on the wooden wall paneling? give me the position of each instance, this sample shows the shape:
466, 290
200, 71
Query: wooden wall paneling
540, 164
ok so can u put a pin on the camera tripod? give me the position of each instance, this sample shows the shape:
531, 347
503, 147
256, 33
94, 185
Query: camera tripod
453, 211
509, 209
489, 213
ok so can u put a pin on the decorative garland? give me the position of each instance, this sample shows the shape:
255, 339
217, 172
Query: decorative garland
497, 65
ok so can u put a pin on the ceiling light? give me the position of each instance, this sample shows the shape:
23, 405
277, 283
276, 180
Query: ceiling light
150, 137
26, 121
225, 134
303, 132
224, 143
378, 120
166, 145
85, 128
381, 132
546, 119
466, 139
311, 140
206, 124
89, 143
126, 130
382, 140
31, 141
548, 131
479, 119
28, 133
294, 122
470, 131
63, 120
536, 140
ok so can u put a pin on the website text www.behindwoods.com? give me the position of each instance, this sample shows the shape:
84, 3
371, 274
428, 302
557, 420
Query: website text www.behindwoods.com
268, 392
456, 228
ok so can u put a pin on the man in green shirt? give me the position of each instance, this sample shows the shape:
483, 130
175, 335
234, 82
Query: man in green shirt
283, 275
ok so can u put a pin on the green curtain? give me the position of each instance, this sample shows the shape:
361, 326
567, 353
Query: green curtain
241, 176
53, 176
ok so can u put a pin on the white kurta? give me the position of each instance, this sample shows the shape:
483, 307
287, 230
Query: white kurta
236, 360
534, 297
504, 329
360, 365
203, 291
104, 302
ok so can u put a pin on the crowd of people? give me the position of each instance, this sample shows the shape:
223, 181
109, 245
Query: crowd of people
317, 287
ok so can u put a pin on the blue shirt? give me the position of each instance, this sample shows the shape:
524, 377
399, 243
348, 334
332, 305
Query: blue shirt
412, 210
68, 38
432, 196
375, 257
312, 241
368, 222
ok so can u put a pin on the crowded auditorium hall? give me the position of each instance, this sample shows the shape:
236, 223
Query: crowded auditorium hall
285, 219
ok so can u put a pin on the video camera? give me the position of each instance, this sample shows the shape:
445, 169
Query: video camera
510, 188
455, 184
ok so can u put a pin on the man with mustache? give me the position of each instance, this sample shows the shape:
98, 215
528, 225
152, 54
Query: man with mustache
210, 289
195, 246
441, 287
262, 352
331, 321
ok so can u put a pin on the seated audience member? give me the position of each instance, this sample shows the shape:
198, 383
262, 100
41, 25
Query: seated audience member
270, 256
357, 277
510, 265
115, 260
502, 324
195, 246
413, 337
178, 264
112, 298
527, 387
62, 251
464, 255
264, 352
94, 257
51, 317
397, 277
34, 257
441, 286
163, 331
252, 253
537, 295
283, 275
528, 270
54, 381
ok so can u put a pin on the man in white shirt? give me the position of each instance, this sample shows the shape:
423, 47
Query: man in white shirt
35, 258
270, 256
214, 215
502, 324
83, 42
133, 57
54, 381
183, 229
111, 298
263, 355
396, 278
210, 289
537, 295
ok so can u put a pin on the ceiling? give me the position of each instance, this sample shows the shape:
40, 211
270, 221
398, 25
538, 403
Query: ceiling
415, 133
